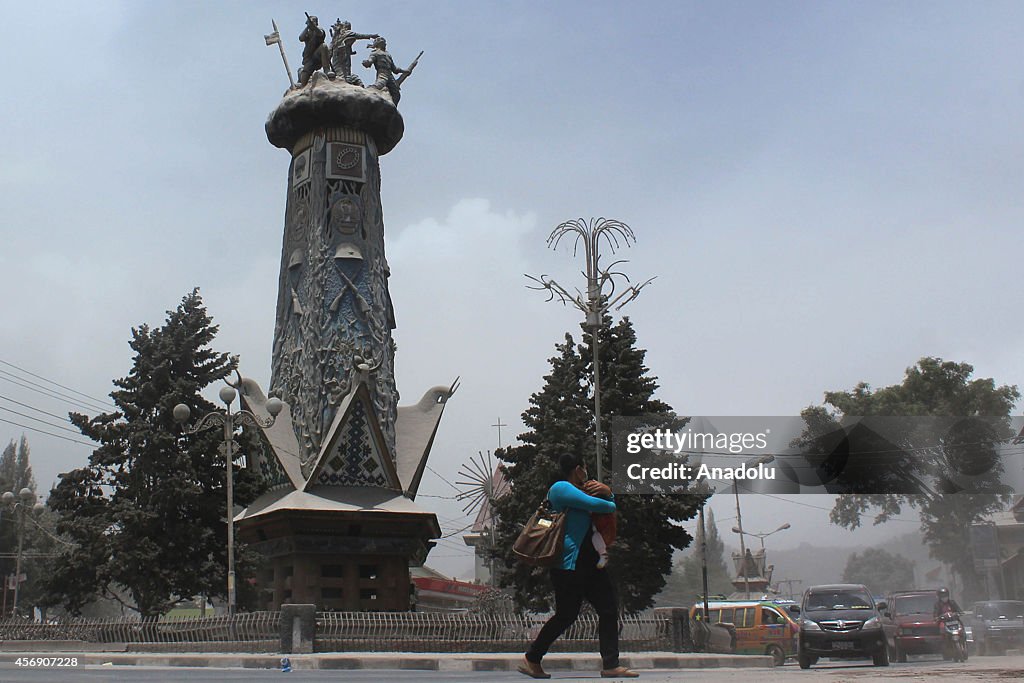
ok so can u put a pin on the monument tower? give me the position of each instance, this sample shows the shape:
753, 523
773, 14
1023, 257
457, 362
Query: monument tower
339, 527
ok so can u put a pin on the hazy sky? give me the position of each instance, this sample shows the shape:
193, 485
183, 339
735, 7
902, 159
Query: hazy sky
825, 191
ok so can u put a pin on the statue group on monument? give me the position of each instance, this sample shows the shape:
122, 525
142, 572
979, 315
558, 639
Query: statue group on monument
335, 58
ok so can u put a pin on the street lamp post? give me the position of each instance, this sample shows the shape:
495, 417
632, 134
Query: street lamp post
229, 421
20, 508
601, 295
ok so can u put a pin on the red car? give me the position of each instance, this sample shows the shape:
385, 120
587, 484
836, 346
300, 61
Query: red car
910, 626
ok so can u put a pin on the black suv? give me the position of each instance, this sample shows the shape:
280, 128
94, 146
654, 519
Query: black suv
841, 621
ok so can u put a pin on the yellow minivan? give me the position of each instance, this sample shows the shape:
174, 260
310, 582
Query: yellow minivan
762, 627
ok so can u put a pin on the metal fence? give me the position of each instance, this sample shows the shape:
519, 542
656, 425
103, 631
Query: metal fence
467, 632
344, 632
247, 627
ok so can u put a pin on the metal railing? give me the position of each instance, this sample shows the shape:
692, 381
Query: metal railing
468, 632
346, 632
247, 627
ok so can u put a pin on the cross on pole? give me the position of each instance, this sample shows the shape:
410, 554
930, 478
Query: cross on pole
499, 424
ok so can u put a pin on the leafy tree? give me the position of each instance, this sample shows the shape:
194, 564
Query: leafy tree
560, 420
686, 583
932, 387
148, 511
880, 571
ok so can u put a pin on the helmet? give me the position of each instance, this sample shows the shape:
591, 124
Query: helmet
943, 593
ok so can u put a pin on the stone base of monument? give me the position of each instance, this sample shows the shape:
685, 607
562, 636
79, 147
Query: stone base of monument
324, 539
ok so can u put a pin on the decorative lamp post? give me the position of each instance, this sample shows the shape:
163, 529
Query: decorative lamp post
601, 295
21, 508
229, 421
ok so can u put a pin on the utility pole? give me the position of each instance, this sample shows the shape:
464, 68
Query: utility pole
789, 585
704, 561
743, 545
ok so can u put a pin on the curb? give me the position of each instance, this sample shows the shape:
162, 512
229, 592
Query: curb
406, 661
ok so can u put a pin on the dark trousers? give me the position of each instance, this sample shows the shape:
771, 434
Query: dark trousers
571, 587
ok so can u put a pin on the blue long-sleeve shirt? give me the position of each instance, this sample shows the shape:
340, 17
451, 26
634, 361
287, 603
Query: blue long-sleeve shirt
579, 506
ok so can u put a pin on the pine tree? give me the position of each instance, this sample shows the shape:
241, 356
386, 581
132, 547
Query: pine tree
648, 524
148, 512
560, 420
686, 582
15, 469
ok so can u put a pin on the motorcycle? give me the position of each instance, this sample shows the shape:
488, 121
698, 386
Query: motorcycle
955, 644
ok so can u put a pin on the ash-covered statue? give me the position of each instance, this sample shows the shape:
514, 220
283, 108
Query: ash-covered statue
342, 40
381, 60
314, 52
336, 59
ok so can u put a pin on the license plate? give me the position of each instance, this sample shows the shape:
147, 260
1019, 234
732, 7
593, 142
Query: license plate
842, 645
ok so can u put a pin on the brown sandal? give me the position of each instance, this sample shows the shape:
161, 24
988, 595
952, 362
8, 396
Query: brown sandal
619, 672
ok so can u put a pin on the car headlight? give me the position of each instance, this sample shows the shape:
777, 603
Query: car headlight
808, 625
871, 623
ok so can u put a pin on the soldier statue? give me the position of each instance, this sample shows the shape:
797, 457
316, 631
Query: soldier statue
342, 40
381, 60
314, 52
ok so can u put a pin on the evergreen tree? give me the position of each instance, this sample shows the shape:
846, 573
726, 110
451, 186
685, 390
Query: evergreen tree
15, 469
148, 511
560, 420
686, 583
8, 529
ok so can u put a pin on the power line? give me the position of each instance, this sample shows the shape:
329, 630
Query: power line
39, 389
48, 424
456, 488
40, 431
38, 410
58, 384
818, 507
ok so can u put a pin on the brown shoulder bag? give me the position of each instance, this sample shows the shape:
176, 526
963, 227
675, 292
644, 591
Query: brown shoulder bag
540, 543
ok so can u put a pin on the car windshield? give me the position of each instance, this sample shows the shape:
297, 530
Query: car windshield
837, 599
1008, 609
914, 604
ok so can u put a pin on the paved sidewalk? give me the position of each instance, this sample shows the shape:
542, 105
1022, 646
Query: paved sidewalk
403, 661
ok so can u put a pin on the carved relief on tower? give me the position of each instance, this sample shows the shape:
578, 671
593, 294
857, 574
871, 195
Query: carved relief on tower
346, 161
346, 215
301, 169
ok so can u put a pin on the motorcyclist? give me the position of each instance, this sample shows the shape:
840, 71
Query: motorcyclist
945, 604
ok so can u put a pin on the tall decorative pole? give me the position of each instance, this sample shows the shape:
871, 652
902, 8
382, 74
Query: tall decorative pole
229, 421
601, 295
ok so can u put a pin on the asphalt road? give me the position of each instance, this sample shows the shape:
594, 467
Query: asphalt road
924, 669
